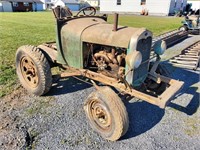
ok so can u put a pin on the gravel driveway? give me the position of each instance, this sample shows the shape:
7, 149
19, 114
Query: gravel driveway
57, 120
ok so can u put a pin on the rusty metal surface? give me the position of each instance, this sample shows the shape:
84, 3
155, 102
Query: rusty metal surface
62, 12
189, 57
29, 71
100, 114
103, 34
95, 30
50, 51
115, 25
71, 39
161, 101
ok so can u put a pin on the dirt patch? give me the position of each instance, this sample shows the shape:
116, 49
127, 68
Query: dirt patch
11, 135
15, 110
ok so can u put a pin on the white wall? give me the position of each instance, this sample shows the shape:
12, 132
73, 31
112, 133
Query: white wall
44, 4
5, 7
160, 7
126, 6
195, 4
154, 7
59, 3
94, 3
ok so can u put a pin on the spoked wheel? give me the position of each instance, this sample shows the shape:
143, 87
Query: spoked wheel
107, 114
33, 70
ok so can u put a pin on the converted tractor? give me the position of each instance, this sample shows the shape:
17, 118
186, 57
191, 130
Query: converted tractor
121, 57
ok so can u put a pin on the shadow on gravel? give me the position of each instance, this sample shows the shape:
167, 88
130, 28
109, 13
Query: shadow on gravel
190, 77
142, 117
67, 85
192, 107
182, 40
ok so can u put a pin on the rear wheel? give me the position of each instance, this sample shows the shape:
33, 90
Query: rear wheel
107, 114
33, 70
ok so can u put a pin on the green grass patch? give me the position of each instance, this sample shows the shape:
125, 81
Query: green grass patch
155, 24
17, 29
34, 28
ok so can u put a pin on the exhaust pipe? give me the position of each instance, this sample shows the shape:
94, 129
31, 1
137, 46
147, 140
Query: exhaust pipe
115, 25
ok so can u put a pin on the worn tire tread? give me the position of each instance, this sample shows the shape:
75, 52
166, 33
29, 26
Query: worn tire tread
45, 76
118, 110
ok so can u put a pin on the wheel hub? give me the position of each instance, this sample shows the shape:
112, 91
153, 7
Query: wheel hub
101, 115
29, 71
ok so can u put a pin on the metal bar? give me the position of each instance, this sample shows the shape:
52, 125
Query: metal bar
189, 59
159, 101
186, 66
188, 56
193, 50
184, 62
115, 25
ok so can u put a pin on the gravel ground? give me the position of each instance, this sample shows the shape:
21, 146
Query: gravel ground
57, 120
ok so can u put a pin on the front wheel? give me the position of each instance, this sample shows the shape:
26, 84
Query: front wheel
183, 28
33, 70
107, 114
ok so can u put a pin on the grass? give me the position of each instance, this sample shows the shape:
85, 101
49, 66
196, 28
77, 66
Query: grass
18, 29
33, 28
157, 25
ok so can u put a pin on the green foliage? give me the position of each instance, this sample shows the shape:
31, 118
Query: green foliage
33, 28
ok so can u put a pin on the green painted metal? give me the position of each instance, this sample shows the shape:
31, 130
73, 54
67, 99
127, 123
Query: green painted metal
60, 55
73, 33
71, 42
140, 41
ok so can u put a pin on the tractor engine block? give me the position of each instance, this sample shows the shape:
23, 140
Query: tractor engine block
109, 61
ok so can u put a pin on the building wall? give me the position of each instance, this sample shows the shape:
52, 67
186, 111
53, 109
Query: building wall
44, 4
126, 6
73, 7
177, 5
195, 4
38, 7
160, 7
94, 3
1, 7
154, 7
59, 3
23, 8
134, 6
5, 7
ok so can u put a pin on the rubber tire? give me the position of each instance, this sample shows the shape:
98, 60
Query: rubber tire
43, 69
185, 28
119, 115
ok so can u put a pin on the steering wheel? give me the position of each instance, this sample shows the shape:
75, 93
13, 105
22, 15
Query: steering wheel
92, 9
